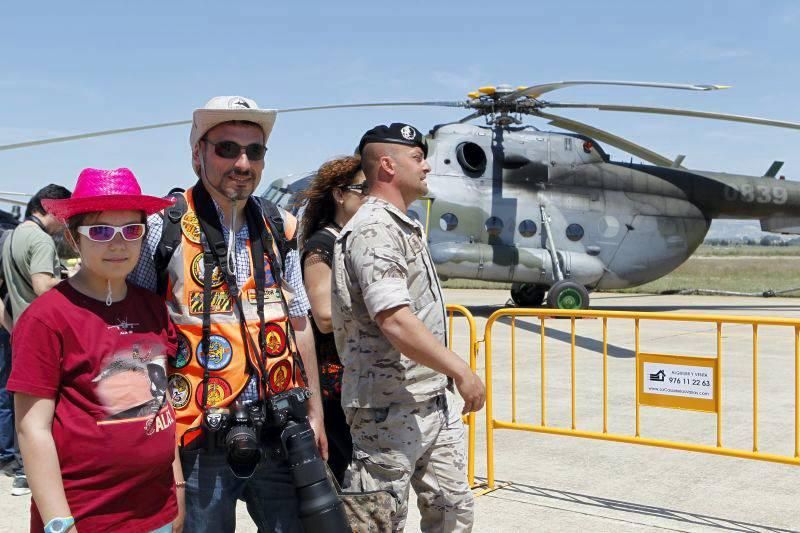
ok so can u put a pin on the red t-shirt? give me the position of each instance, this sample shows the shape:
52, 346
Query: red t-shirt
113, 427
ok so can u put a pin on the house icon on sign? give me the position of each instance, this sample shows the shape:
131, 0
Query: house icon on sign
658, 376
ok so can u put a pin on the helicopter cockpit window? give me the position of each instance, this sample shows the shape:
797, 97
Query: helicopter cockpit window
494, 226
574, 232
471, 157
527, 228
448, 222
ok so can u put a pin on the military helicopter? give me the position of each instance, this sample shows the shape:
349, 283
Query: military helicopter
550, 212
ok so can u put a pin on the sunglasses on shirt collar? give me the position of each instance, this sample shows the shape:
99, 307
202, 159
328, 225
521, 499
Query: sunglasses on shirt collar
232, 150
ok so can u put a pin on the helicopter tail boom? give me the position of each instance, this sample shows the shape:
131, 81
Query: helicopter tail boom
781, 224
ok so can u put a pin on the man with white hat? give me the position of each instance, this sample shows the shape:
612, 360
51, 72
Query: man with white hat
223, 261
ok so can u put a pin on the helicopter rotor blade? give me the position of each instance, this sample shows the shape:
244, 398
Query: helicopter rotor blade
373, 104
470, 117
186, 122
12, 202
680, 112
92, 134
534, 91
609, 138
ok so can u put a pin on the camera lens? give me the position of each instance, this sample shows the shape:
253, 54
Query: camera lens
319, 506
244, 453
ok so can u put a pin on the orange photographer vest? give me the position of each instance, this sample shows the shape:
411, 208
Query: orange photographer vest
229, 369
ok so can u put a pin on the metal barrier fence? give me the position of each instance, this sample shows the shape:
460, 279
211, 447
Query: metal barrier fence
469, 420
663, 380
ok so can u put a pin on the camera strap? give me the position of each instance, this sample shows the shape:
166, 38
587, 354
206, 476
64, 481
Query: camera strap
277, 273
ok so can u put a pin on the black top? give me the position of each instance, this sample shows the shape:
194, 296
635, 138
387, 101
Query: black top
330, 366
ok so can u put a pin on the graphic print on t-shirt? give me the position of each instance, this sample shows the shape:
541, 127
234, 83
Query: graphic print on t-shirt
133, 382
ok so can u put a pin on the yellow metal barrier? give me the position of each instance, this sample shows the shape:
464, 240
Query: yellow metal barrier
469, 420
642, 397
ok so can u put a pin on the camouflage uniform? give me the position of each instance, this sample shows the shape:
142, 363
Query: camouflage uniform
402, 417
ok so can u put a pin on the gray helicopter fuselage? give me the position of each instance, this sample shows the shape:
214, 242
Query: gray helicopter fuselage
612, 225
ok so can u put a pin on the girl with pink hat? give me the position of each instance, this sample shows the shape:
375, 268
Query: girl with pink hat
94, 421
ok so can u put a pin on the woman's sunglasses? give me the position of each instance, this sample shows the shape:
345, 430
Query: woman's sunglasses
105, 233
360, 188
232, 150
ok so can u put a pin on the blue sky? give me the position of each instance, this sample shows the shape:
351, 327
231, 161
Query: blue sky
73, 67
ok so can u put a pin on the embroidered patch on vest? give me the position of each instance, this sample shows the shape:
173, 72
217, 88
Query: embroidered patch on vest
220, 302
280, 376
218, 390
184, 353
220, 353
275, 339
198, 273
271, 296
180, 390
190, 227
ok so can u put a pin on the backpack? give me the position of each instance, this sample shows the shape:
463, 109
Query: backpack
171, 234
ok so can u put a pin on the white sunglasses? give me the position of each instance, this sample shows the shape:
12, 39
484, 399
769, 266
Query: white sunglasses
105, 233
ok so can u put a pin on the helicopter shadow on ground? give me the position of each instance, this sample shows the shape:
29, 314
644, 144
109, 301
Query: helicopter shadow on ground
581, 341
595, 345
683, 518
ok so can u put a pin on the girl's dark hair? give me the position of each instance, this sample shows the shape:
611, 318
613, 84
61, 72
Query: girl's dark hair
320, 206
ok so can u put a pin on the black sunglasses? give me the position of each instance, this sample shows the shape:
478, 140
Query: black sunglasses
361, 188
232, 150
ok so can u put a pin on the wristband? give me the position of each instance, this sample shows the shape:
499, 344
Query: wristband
59, 524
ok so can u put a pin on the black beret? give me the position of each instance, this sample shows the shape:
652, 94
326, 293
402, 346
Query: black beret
396, 133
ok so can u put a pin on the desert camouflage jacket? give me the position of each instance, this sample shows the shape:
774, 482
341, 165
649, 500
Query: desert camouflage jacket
381, 262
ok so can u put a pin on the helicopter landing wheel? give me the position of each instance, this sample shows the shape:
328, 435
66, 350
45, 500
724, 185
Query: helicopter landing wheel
528, 294
567, 294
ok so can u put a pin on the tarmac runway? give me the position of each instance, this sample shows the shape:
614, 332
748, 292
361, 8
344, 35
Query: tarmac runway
565, 483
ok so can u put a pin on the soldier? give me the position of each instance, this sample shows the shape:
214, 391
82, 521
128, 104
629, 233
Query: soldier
389, 322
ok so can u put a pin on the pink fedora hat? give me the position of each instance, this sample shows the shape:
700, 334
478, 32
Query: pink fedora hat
105, 190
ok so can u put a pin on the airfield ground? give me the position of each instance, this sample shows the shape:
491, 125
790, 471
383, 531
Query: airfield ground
561, 483
747, 269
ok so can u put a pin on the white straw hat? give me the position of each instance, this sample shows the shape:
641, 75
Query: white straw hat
226, 109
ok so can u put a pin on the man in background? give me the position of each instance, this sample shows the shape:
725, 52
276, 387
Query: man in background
30, 268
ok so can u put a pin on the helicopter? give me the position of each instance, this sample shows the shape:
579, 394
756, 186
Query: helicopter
550, 212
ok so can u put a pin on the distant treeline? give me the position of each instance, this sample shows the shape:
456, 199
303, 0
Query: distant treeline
767, 240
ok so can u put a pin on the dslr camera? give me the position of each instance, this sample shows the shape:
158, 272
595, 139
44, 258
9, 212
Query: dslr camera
247, 430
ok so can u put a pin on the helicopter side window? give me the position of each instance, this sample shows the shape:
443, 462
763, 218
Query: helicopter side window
413, 215
574, 232
494, 226
472, 158
527, 228
448, 222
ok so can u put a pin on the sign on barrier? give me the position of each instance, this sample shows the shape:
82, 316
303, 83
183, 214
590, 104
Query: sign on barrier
678, 382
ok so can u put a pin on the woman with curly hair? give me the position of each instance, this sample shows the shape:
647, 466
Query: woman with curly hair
332, 198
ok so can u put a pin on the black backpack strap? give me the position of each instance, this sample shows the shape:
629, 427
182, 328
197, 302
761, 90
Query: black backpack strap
170, 238
274, 219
